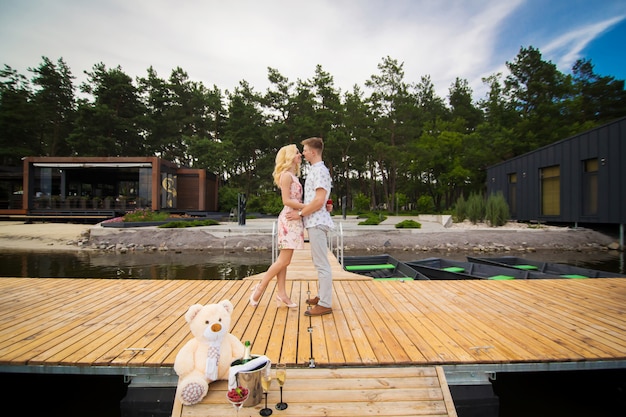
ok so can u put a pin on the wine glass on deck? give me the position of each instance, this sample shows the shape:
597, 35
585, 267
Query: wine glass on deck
281, 376
266, 381
237, 396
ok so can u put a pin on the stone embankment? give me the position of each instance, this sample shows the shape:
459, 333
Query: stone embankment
457, 238
257, 236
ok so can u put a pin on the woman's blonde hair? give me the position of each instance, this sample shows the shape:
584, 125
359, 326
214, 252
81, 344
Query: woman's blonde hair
284, 161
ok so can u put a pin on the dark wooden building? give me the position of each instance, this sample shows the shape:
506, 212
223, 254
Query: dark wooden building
579, 180
107, 185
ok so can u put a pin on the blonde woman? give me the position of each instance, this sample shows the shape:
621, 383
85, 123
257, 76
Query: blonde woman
290, 232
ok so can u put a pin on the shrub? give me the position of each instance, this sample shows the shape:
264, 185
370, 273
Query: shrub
425, 204
227, 197
272, 203
254, 203
373, 220
408, 224
361, 203
401, 201
460, 209
370, 221
497, 210
191, 223
145, 215
476, 208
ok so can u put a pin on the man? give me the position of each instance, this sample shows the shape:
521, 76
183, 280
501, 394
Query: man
318, 222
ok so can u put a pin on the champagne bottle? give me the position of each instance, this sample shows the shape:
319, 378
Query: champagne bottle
247, 356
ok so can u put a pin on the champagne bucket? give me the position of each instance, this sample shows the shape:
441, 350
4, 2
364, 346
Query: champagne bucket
252, 381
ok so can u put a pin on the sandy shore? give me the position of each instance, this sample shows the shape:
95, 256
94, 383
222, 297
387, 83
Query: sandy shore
256, 235
42, 236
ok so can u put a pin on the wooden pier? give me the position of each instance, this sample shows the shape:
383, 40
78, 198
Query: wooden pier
409, 391
136, 327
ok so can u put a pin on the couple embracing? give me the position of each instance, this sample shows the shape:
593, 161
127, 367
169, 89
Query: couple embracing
298, 214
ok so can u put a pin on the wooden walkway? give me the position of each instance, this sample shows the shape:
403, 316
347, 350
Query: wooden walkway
415, 391
136, 327
100, 322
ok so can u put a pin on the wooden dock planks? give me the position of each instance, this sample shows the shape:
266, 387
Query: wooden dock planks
377, 328
89, 322
408, 391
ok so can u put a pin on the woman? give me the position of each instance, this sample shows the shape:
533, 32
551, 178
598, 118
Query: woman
290, 232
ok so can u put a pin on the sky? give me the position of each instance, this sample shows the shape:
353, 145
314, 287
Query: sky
220, 43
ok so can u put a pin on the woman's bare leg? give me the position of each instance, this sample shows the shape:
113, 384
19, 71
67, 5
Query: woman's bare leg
280, 264
281, 279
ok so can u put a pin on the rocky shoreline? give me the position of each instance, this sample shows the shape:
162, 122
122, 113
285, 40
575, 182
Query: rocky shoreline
457, 240
463, 237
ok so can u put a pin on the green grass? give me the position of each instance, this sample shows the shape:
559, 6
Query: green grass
191, 223
408, 224
145, 215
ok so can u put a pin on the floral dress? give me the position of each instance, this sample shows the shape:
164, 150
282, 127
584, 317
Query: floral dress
291, 233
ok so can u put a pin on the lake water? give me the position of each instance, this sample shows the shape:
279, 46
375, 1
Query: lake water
139, 265
224, 265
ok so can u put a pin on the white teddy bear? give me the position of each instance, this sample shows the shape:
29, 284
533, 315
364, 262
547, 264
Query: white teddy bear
206, 357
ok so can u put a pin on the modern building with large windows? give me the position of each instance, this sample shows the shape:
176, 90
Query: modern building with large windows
106, 186
579, 180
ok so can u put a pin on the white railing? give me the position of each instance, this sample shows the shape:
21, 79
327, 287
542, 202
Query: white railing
337, 234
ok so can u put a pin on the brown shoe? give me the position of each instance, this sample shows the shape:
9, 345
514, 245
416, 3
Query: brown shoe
318, 311
313, 301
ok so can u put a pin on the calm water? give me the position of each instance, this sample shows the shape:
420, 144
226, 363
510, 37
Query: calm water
219, 265
142, 265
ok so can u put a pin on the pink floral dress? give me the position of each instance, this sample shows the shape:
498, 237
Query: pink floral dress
291, 233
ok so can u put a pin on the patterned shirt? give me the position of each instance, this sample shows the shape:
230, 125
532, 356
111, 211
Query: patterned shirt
318, 177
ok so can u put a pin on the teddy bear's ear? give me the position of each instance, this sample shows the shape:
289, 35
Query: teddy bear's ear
228, 306
192, 312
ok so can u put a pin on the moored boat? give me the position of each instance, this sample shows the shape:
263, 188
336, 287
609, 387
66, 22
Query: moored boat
381, 267
554, 269
446, 269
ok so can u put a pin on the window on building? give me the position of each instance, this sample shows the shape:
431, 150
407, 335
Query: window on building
513, 194
550, 190
90, 185
590, 187
145, 188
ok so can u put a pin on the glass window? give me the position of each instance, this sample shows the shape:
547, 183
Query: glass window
145, 188
550, 190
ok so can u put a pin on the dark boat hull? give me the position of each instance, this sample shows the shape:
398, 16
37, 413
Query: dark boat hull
445, 269
383, 267
552, 269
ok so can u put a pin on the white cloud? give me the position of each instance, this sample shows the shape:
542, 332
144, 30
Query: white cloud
220, 43
566, 48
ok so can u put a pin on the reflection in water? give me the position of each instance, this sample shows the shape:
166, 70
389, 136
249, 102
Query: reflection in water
226, 266
141, 265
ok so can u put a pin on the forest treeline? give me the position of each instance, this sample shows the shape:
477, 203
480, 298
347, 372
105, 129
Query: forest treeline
390, 141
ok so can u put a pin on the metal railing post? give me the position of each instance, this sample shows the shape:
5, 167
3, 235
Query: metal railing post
338, 236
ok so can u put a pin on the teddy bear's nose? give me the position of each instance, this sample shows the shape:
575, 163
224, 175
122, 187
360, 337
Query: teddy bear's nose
216, 327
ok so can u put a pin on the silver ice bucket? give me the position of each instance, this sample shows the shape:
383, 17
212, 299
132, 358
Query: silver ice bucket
252, 381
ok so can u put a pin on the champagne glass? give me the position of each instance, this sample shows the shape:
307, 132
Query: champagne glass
237, 396
281, 376
266, 381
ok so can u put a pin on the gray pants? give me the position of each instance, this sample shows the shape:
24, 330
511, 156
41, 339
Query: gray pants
319, 253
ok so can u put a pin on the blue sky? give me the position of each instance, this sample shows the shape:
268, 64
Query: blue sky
220, 43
